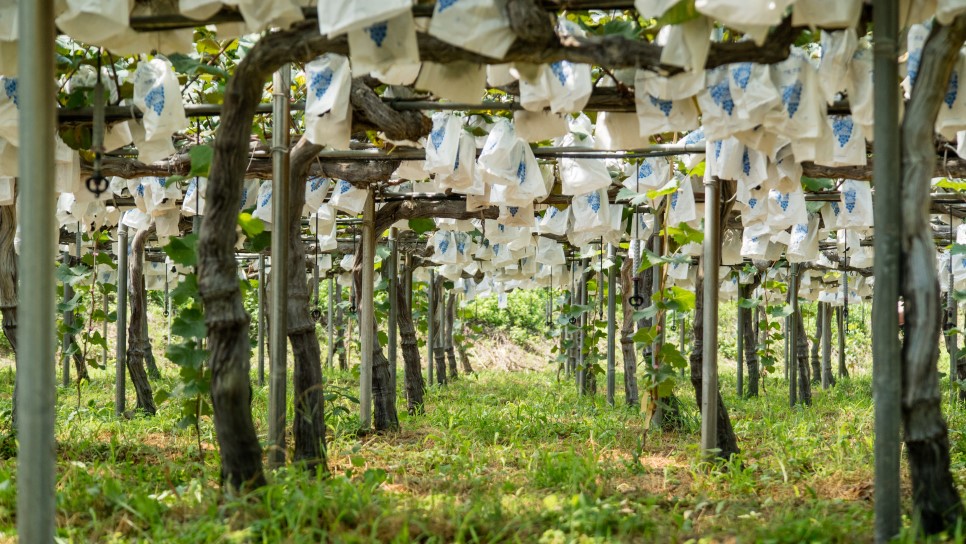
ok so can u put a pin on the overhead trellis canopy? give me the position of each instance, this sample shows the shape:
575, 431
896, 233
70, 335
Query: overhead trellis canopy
714, 142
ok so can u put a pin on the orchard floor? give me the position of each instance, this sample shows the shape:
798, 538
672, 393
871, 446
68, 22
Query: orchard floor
498, 457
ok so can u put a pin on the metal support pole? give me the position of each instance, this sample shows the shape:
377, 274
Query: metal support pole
122, 294
430, 326
393, 307
260, 345
886, 354
582, 300
105, 300
278, 320
709, 361
792, 360
36, 503
825, 314
611, 323
741, 345
329, 326
68, 322
367, 318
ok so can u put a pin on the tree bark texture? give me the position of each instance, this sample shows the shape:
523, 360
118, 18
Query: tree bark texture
726, 441
936, 502
828, 376
8, 286
412, 368
308, 424
338, 331
801, 351
439, 352
816, 348
840, 324
449, 318
628, 351
751, 343
136, 337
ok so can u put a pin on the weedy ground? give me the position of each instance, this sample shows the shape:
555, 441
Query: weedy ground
498, 457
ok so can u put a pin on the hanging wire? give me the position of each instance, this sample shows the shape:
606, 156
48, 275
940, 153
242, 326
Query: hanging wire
97, 183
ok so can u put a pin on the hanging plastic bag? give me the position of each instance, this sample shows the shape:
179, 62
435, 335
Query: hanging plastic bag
681, 204
383, 44
459, 81
348, 198
340, 16
328, 114
479, 26
856, 205
157, 94
93, 21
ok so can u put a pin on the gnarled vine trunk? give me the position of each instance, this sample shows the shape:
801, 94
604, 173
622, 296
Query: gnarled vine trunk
8, 286
801, 356
308, 424
936, 501
449, 318
136, 326
384, 413
750, 342
412, 368
816, 349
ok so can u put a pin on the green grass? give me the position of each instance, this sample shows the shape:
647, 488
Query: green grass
498, 457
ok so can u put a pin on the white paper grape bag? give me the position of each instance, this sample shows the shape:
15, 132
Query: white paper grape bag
554, 221
719, 114
316, 188
538, 126
681, 204
348, 198
459, 81
443, 142
838, 47
755, 240
752, 92
803, 242
802, 107
786, 205
550, 252
825, 14
463, 178
687, 44
952, 111
590, 211
157, 94
328, 114
915, 42
517, 216
340, 16
263, 206
651, 173
383, 44
93, 21
731, 247
856, 204
480, 26
618, 131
